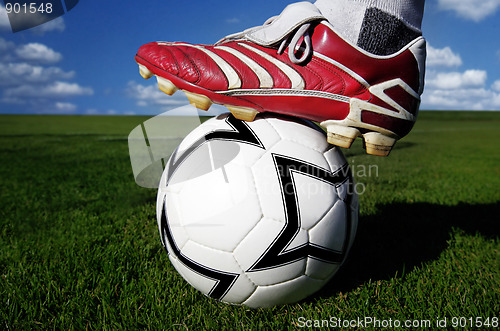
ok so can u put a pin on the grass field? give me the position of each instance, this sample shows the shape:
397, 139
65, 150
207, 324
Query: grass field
80, 249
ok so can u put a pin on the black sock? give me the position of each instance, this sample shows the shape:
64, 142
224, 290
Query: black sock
384, 34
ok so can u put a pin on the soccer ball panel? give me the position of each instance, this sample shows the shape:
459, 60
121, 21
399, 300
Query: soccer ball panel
333, 222
241, 290
283, 293
199, 281
268, 187
299, 132
207, 256
252, 247
210, 208
335, 159
321, 270
205, 159
292, 149
266, 133
299, 239
315, 198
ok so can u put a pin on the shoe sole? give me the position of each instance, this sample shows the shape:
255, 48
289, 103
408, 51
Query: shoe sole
375, 143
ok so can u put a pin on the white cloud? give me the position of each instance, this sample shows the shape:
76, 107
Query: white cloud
29, 81
456, 80
496, 86
233, 20
65, 107
442, 57
457, 90
12, 74
6, 48
462, 99
475, 10
460, 91
38, 52
151, 95
152, 101
94, 111
54, 90
6, 45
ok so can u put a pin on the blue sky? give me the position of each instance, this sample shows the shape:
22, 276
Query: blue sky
83, 62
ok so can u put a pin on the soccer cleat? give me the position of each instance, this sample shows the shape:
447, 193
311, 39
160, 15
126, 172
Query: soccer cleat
296, 64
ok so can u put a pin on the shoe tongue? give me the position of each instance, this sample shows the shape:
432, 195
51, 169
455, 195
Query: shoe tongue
292, 17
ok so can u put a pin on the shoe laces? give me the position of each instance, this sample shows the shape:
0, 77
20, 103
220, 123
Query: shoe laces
292, 41
293, 44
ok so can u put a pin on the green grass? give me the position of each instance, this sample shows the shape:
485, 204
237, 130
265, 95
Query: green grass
79, 245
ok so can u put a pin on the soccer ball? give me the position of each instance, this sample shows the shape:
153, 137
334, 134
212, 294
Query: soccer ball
257, 213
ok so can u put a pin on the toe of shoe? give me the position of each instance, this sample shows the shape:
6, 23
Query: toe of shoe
190, 63
158, 55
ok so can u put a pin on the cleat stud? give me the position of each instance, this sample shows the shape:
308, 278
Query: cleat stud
243, 113
341, 136
199, 101
378, 144
145, 73
166, 86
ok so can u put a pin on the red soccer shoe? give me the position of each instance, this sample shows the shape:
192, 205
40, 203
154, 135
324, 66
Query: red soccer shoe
298, 65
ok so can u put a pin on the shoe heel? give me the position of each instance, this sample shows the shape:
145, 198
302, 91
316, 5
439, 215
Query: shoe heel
378, 144
341, 136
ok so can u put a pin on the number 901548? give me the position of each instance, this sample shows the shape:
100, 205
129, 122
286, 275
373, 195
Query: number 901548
28, 8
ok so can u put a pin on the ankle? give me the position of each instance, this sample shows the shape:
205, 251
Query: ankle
379, 27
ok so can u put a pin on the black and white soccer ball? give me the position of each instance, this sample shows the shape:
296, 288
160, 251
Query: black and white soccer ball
257, 213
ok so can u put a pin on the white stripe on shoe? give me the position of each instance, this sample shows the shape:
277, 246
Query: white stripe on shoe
294, 77
233, 79
265, 79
